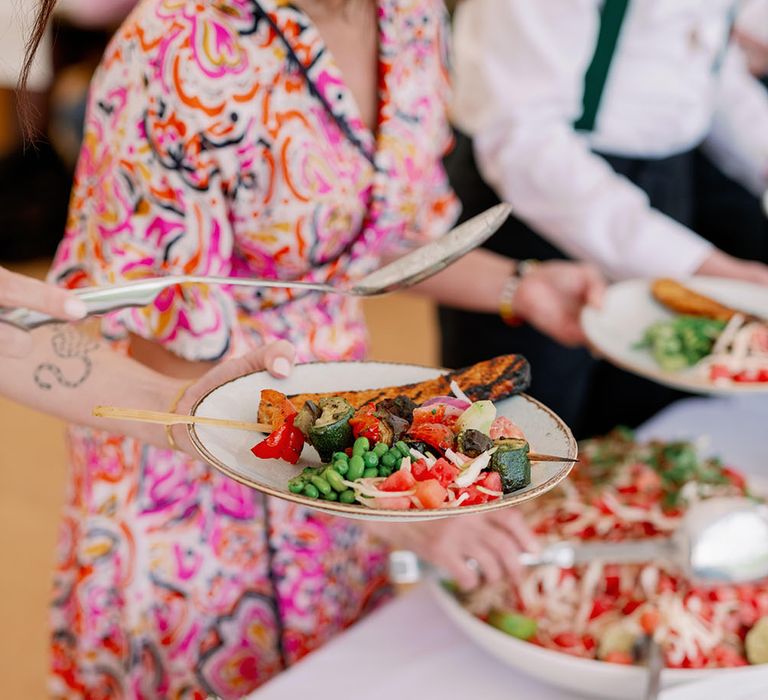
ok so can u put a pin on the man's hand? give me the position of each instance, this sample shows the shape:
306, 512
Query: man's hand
552, 295
720, 264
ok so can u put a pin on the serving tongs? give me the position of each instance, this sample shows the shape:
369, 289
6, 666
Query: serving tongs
406, 271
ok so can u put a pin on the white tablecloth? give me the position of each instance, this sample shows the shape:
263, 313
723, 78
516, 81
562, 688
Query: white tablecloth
409, 650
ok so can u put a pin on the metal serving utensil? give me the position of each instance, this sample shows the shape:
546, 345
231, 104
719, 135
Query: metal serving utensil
647, 652
719, 541
406, 271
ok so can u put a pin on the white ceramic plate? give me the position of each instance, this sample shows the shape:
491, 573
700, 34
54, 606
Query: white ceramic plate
230, 450
615, 329
588, 676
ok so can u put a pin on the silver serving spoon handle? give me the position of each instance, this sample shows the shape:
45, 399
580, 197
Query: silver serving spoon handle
406, 271
565, 555
720, 541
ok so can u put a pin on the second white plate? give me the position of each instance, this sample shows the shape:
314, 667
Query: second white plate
629, 309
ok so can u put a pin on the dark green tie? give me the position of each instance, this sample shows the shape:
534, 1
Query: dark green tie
611, 18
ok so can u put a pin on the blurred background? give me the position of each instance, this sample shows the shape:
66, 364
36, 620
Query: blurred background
34, 191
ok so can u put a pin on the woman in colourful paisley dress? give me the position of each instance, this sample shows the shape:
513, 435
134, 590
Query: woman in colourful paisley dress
222, 139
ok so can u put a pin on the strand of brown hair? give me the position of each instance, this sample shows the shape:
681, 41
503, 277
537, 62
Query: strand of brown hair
44, 11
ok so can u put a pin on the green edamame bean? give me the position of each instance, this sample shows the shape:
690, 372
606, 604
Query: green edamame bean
321, 485
310, 491
335, 480
347, 496
341, 467
371, 459
370, 473
385, 471
309, 471
402, 448
332, 496
340, 457
356, 468
362, 445
380, 449
388, 460
296, 485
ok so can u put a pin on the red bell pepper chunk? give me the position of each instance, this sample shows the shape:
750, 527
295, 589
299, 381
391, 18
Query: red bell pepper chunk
284, 443
365, 424
436, 435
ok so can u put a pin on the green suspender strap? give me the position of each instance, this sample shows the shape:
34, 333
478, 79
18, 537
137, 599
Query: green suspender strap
611, 19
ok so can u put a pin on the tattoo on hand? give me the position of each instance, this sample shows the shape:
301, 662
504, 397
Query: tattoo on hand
68, 344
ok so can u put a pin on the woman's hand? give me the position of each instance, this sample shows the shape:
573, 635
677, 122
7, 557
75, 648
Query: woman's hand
18, 290
471, 549
552, 294
277, 358
720, 264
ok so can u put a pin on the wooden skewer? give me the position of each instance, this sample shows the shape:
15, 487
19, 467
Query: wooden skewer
533, 457
160, 418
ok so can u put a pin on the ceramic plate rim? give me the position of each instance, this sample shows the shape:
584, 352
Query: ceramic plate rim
676, 380
364, 512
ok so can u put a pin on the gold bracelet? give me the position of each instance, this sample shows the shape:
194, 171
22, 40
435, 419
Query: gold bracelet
172, 409
506, 307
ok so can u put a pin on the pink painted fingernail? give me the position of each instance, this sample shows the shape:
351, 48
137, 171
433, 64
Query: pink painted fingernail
75, 308
281, 367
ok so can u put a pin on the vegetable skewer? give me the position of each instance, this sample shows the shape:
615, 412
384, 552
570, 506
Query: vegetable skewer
162, 418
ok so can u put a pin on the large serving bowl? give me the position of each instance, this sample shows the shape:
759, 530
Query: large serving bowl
588, 676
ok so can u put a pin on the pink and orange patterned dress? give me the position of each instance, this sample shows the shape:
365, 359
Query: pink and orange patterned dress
221, 139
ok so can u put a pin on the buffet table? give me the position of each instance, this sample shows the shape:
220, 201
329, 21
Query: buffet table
411, 651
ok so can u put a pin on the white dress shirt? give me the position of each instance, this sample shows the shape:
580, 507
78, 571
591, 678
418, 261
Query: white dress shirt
519, 77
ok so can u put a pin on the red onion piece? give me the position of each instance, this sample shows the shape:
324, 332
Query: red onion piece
448, 401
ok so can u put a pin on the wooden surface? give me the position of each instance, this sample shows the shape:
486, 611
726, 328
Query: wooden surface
32, 482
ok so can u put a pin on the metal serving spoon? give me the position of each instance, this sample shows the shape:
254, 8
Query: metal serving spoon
408, 270
720, 541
